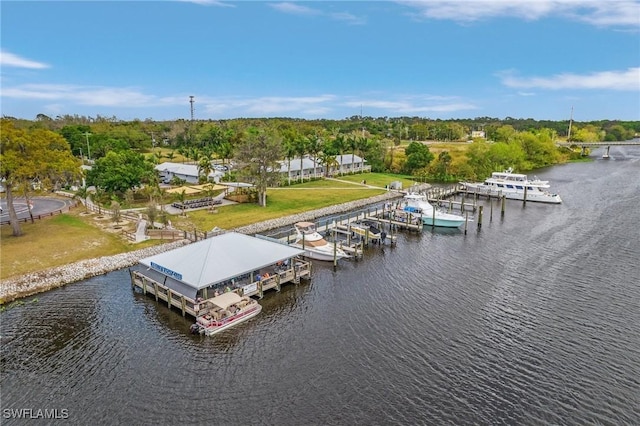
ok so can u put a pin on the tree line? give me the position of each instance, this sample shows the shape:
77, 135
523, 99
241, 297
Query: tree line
51, 150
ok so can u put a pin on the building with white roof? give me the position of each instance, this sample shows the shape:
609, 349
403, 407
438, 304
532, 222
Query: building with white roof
186, 172
345, 164
227, 260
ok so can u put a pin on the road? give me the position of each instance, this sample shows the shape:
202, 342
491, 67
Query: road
40, 206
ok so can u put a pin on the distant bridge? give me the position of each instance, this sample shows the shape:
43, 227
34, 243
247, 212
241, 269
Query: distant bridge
608, 144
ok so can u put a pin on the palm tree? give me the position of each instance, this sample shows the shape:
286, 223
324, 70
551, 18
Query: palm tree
328, 161
361, 144
289, 152
225, 151
181, 197
352, 143
314, 147
300, 145
182, 151
193, 153
340, 144
204, 167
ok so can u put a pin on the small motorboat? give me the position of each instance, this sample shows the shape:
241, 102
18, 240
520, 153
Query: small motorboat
222, 312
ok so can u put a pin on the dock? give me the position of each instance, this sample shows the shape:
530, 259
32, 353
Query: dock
339, 230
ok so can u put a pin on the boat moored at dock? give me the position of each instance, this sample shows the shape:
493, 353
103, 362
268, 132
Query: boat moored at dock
222, 312
314, 245
418, 204
367, 230
513, 186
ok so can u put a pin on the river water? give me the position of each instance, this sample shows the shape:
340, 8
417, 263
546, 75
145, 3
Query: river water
535, 319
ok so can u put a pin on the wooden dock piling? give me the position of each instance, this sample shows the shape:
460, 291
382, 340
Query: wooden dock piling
490, 210
466, 222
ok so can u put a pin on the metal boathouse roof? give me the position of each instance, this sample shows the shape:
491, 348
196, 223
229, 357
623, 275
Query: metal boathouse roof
217, 259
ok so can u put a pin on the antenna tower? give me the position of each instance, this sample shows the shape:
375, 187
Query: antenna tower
191, 101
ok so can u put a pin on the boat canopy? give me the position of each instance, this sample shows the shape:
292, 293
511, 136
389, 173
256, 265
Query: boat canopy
413, 209
225, 300
305, 224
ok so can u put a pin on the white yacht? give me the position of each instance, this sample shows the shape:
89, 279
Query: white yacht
314, 244
418, 204
514, 186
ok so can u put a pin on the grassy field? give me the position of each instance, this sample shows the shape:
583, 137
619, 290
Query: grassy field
378, 179
280, 202
178, 158
57, 241
457, 150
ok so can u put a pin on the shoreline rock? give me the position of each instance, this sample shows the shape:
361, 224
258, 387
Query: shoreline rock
37, 282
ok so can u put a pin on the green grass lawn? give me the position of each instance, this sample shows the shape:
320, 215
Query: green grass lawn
378, 179
57, 241
280, 202
321, 183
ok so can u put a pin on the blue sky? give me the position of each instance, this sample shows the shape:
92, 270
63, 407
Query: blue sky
319, 59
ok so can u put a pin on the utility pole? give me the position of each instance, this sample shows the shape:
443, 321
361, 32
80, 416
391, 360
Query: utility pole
88, 149
190, 127
570, 121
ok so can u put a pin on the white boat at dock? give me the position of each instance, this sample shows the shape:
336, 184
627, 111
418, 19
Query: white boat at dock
418, 204
514, 186
314, 245
222, 312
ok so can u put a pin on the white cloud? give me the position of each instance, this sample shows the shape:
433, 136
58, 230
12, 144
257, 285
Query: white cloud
297, 9
349, 18
627, 80
612, 13
323, 105
624, 13
95, 96
60, 97
414, 104
10, 60
272, 105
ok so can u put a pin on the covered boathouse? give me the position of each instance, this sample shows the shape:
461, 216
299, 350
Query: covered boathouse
187, 276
